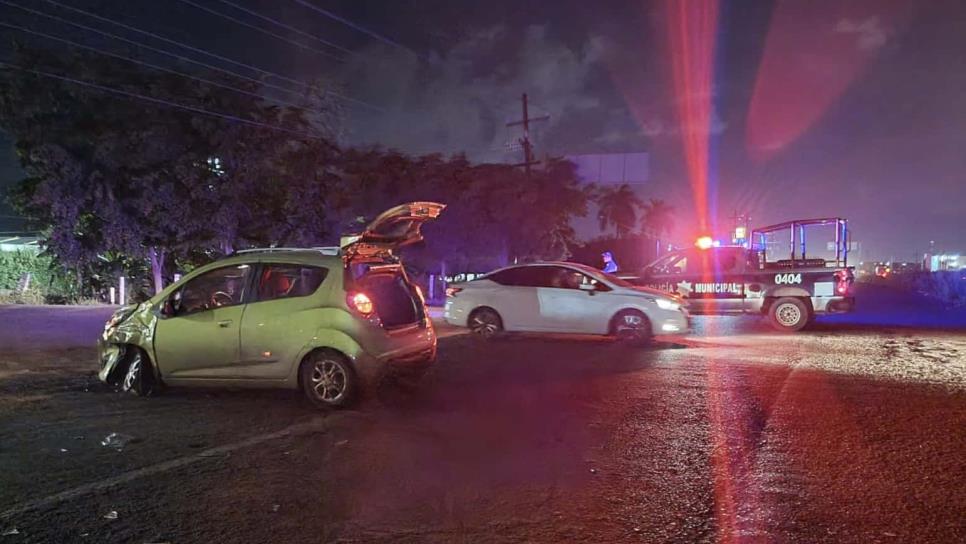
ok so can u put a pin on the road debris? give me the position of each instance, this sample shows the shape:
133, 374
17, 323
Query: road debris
111, 515
117, 441
10, 532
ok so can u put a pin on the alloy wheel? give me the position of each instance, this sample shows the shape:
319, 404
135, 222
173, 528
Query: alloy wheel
485, 324
329, 380
131, 376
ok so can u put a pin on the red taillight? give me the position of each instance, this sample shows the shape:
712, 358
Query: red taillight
843, 281
451, 291
361, 303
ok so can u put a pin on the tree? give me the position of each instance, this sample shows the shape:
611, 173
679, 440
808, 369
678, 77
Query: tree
117, 174
618, 207
657, 218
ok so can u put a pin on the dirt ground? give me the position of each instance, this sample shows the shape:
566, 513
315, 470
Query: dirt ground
853, 431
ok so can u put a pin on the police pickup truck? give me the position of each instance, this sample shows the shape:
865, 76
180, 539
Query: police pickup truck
740, 280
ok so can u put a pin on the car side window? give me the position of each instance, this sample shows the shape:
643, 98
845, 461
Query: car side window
214, 289
504, 277
672, 264
289, 280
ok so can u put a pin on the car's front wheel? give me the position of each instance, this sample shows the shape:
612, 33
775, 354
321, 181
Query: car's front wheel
328, 380
631, 326
139, 376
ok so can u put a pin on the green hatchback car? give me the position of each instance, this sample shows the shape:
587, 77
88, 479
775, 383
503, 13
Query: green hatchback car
328, 321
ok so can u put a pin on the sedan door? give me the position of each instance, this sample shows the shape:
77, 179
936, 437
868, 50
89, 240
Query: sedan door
571, 301
512, 292
201, 338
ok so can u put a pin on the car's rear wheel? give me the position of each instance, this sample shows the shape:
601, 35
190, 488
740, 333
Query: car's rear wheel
631, 326
328, 379
139, 376
789, 314
485, 322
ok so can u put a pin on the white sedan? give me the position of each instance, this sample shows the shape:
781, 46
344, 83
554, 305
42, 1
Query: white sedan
562, 297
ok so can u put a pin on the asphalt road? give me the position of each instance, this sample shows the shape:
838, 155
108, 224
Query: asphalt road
854, 431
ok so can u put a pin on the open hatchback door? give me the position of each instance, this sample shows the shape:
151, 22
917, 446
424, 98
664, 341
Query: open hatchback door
394, 228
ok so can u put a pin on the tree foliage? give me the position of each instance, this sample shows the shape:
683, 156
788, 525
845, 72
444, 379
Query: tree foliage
125, 181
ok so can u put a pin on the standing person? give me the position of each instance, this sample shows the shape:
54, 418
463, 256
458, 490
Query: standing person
610, 265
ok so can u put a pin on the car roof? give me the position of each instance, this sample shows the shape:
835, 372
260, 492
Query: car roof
307, 256
567, 264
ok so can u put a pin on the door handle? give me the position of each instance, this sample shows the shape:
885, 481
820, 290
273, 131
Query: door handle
224, 324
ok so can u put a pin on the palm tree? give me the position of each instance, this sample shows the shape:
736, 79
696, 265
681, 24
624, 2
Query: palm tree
657, 219
618, 207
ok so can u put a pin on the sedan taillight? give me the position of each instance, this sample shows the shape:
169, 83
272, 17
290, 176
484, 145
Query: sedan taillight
452, 291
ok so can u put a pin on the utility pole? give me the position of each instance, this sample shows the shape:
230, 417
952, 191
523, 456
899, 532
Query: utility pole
525, 141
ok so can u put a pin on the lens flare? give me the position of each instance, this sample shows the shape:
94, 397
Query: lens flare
692, 31
812, 56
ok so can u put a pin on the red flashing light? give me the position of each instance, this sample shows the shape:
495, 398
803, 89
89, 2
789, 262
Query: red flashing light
361, 303
705, 242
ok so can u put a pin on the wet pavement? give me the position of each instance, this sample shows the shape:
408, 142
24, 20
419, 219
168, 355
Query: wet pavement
848, 432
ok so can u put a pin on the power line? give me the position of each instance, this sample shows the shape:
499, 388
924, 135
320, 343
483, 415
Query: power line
163, 102
290, 28
350, 24
156, 67
262, 30
179, 57
261, 71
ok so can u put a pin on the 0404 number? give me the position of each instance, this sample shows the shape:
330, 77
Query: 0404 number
787, 279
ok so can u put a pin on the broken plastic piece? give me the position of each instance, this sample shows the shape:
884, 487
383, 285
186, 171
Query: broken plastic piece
111, 515
11, 531
116, 441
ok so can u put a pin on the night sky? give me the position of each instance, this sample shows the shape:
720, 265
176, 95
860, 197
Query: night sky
818, 108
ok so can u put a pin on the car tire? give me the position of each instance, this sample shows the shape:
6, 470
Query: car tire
485, 323
789, 314
138, 374
631, 327
328, 380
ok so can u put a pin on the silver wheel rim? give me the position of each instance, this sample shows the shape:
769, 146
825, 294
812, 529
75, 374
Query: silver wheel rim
630, 326
788, 314
132, 372
484, 324
329, 380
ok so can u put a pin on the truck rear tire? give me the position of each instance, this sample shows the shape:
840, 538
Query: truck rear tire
789, 314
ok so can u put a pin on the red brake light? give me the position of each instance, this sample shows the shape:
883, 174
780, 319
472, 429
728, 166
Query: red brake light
451, 291
843, 281
361, 303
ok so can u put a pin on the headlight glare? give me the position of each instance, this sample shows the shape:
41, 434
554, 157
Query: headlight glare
666, 304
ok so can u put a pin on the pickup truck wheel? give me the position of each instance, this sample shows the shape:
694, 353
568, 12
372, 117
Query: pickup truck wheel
789, 314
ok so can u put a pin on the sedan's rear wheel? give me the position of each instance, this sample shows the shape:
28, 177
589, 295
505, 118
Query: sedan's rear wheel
632, 327
139, 376
485, 323
328, 380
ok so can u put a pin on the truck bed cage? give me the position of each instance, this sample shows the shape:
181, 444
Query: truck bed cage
797, 241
